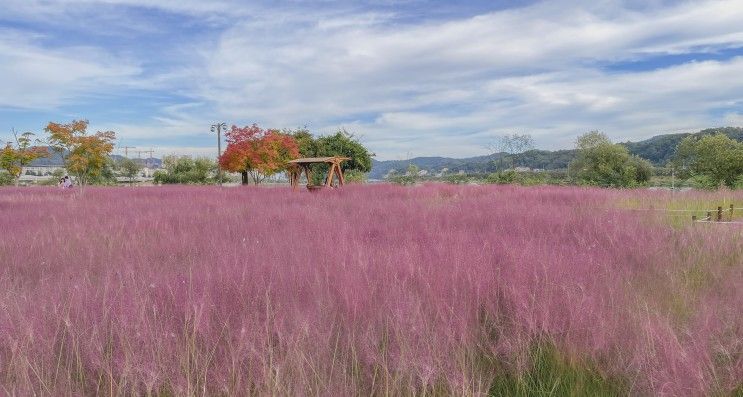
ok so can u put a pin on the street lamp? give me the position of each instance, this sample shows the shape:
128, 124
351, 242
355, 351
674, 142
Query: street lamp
218, 129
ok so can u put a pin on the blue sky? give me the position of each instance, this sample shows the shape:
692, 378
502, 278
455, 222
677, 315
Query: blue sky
416, 78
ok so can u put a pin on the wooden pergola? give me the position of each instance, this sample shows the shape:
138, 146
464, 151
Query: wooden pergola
299, 165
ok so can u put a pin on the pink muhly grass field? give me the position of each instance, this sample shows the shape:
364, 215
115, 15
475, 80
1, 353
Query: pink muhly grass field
364, 290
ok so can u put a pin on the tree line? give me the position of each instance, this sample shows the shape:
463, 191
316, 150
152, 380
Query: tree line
252, 152
257, 153
85, 155
708, 160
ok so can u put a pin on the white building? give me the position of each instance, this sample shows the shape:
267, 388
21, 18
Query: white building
38, 173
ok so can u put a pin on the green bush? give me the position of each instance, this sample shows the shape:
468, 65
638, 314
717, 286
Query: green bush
704, 182
53, 179
457, 179
521, 178
502, 177
5, 179
355, 176
403, 180
187, 171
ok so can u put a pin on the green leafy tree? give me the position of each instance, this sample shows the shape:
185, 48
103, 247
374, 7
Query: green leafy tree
412, 170
129, 168
641, 169
342, 143
106, 176
599, 162
712, 159
305, 141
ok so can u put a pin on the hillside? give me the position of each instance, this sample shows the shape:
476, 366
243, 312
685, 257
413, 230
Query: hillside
55, 159
658, 150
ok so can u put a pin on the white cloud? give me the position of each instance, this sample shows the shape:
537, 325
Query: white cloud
734, 119
59, 8
555, 107
36, 77
528, 69
434, 87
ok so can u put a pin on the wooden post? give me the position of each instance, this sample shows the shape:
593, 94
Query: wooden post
307, 174
329, 181
719, 214
693, 219
341, 178
294, 178
709, 215
731, 212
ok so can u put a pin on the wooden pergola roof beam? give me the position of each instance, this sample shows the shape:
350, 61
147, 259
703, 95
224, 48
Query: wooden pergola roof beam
316, 160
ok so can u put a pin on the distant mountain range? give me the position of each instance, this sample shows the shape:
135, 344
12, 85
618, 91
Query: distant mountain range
658, 150
56, 159
151, 162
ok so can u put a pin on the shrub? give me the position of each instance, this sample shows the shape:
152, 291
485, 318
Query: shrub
355, 176
717, 157
457, 179
521, 178
599, 162
6, 179
186, 170
404, 180
53, 179
703, 182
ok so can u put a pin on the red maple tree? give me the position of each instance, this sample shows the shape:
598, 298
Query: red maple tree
257, 153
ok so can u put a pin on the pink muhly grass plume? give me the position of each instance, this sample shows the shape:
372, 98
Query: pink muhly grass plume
362, 290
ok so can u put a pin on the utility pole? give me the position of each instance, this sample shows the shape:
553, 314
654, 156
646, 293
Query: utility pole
148, 159
126, 150
218, 127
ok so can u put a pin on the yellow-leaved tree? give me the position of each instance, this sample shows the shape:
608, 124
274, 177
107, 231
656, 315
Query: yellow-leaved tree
14, 158
85, 154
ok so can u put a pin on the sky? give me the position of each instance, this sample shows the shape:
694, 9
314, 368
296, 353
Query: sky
408, 78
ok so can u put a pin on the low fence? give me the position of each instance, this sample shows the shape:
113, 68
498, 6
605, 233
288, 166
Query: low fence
719, 216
